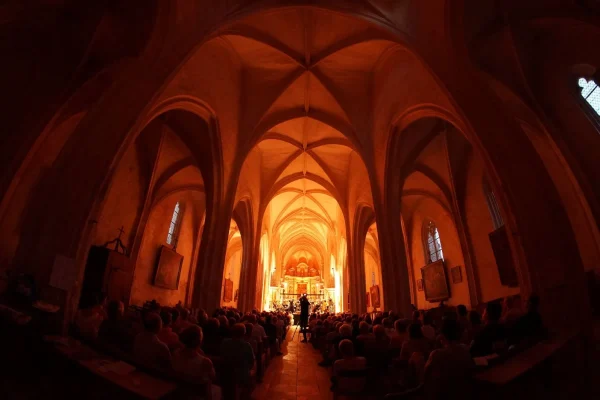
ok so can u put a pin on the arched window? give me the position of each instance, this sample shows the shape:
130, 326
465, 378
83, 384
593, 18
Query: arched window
433, 245
174, 227
591, 93
492, 204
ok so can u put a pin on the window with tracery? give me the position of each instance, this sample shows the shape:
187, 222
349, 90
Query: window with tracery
433, 245
590, 93
174, 227
493, 206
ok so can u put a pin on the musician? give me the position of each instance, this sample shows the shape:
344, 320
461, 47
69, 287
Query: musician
291, 308
304, 304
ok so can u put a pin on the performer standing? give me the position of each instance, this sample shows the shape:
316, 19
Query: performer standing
304, 303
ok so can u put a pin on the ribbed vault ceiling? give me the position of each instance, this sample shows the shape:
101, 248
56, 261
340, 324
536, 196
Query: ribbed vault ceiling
307, 84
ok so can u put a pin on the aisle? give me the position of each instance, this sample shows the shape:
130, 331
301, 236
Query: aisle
295, 375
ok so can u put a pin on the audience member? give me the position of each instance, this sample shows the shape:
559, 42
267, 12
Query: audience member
401, 336
237, 356
416, 343
182, 322
492, 335
473, 328
147, 348
462, 318
448, 370
427, 328
190, 360
529, 328
114, 330
510, 312
348, 362
89, 318
166, 334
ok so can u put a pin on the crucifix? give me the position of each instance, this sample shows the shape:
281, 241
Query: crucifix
118, 242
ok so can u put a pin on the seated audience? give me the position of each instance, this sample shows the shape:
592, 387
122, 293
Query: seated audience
382, 340
237, 356
401, 336
147, 348
416, 343
212, 337
271, 332
363, 338
190, 360
462, 316
182, 322
529, 329
493, 335
448, 370
249, 338
427, 328
473, 328
166, 334
258, 332
348, 362
89, 318
510, 312
115, 331
389, 327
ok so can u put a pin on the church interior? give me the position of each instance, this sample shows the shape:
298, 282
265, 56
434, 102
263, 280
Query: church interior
204, 165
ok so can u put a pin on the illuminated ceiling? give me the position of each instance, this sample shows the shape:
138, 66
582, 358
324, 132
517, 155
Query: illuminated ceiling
310, 78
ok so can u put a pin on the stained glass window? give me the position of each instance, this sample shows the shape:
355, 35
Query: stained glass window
493, 206
174, 227
433, 243
591, 93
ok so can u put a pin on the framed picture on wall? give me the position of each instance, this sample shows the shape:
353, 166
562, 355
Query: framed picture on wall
168, 269
228, 290
375, 301
456, 274
435, 282
420, 285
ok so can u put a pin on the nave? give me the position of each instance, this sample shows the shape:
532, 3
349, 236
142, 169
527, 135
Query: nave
296, 374
175, 156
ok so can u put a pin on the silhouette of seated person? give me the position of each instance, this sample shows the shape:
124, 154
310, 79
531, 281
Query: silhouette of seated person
249, 338
332, 353
448, 370
492, 336
427, 328
90, 316
147, 347
237, 357
462, 316
473, 328
190, 360
529, 329
348, 362
166, 334
510, 312
212, 337
416, 343
388, 324
364, 337
182, 322
115, 331
396, 341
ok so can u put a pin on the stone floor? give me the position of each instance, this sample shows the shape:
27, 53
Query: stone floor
295, 375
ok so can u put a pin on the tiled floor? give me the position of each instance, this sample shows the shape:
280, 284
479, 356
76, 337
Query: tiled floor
295, 375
